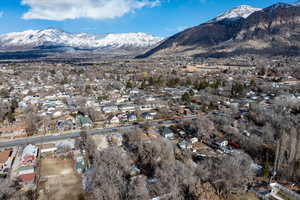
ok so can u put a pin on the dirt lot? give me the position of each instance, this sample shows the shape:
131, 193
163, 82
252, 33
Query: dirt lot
59, 180
204, 68
247, 196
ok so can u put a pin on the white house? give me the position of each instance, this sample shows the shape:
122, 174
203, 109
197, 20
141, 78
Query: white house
26, 170
131, 117
127, 108
146, 107
110, 109
114, 120
147, 116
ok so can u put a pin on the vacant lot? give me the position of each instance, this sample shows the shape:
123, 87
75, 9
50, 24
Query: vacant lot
247, 196
59, 180
204, 68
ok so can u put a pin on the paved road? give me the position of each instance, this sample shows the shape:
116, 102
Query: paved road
75, 134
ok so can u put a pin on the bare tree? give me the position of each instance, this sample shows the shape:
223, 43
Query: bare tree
32, 122
137, 189
110, 172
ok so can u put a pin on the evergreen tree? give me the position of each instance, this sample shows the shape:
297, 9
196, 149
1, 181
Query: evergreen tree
129, 85
266, 169
143, 85
186, 97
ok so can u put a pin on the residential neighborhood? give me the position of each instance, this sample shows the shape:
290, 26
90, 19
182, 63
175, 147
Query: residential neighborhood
203, 116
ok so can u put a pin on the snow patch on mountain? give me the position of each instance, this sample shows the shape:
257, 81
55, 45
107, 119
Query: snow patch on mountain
55, 37
242, 11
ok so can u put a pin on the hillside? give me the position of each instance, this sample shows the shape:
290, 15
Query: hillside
273, 30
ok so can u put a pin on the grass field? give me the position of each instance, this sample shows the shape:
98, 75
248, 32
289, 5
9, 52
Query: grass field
59, 180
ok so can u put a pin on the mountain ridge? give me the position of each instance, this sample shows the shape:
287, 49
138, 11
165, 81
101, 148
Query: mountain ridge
242, 11
56, 37
274, 28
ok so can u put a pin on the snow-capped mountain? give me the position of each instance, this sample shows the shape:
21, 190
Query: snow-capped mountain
254, 33
242, 11
55, 37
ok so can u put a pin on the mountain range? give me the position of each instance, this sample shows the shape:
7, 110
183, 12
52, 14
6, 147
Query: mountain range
274, 30
55, 38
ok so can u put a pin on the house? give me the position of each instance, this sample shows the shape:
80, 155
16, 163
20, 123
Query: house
110, 109
46, 148
122, 117
167, 133
182, 133
234, 145
57, 114
25, 170
134, 171
28, 179
65, 145
257, 169
156, 198
127, 108
85, 121
113, 120
147, 116
65, 122
153, 113
29, 154
280, 192
194, 140
226, 149
121, 99
131, 117
79, 164
184, 145
193, 107
5, 160
146, 107
220, 142
59, 124
149, 98
134, 91
14, 130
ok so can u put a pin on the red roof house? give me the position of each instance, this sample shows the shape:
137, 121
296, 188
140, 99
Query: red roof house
27, 178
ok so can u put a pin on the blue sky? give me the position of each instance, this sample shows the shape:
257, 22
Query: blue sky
156, 17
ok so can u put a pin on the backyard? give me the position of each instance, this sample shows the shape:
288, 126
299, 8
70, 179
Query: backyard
59, 180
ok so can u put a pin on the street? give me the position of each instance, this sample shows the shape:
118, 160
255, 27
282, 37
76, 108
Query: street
75, 134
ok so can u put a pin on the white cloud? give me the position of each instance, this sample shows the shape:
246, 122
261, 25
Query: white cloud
74, 9
1, 14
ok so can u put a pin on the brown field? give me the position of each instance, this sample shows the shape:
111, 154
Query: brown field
59, 180
199, 69
204, 68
